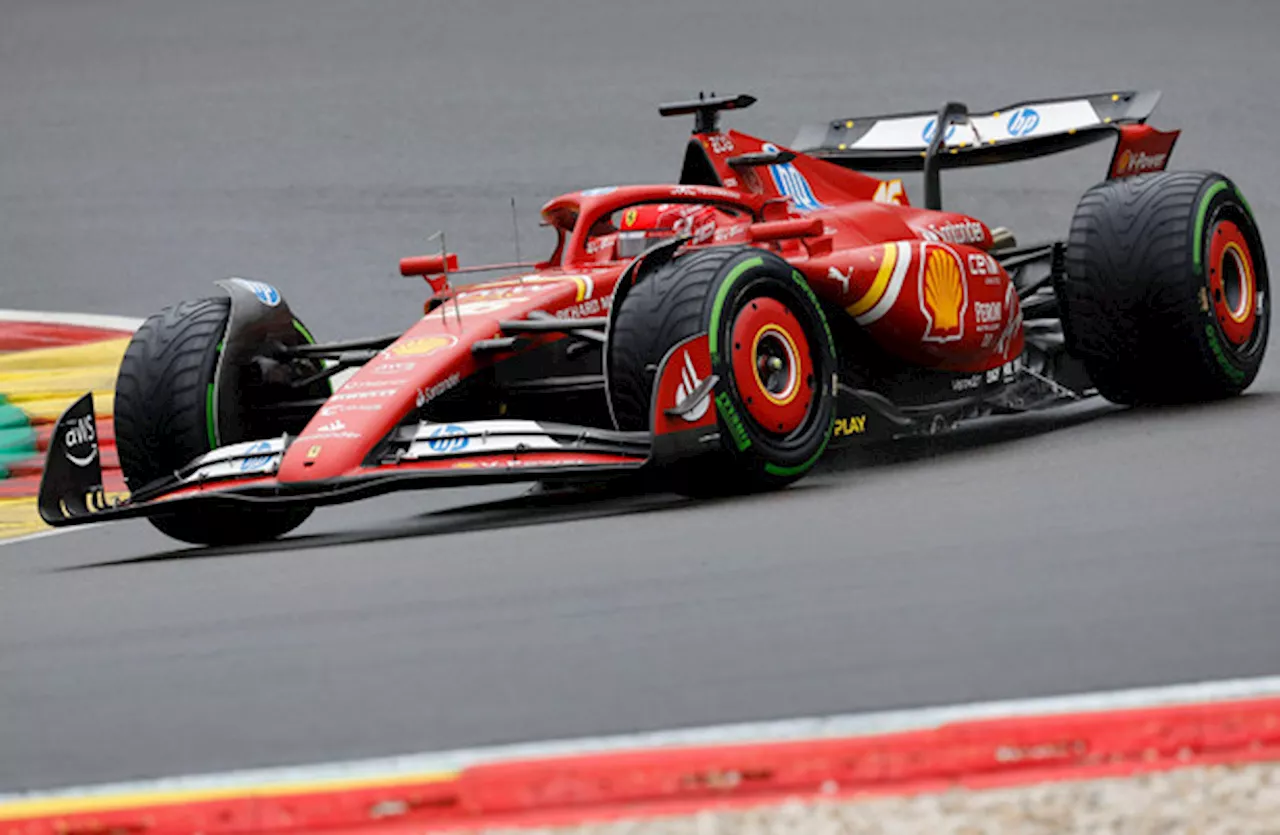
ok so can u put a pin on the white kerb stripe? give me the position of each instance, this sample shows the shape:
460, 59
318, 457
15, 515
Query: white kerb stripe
88, 320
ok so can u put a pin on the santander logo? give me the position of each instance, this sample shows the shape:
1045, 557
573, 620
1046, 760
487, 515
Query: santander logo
1137, 162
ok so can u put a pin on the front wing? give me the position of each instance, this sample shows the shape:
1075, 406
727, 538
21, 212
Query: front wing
416, 456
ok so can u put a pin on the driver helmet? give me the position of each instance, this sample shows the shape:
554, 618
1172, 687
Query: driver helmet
641, 226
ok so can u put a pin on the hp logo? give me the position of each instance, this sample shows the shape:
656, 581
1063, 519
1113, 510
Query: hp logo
1023, 120
256, 462
451, 438
932, 128
266, 294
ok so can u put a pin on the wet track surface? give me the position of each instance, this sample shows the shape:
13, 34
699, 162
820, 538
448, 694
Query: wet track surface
149, 148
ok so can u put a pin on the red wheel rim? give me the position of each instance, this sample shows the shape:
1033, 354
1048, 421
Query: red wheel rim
1232, 283
772, 366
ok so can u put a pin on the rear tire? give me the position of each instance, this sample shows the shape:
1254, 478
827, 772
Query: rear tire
163, 420
1166, 297
768, 438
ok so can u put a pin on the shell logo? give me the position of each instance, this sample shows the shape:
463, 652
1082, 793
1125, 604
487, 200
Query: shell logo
422, 346
943, 296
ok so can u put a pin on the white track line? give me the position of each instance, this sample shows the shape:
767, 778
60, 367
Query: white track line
825, 727
28, 537
90, 320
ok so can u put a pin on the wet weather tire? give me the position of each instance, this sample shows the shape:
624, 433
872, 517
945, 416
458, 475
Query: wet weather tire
162, 421
771, 350
1166, 295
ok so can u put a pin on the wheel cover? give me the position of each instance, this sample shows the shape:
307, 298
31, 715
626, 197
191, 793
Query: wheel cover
1233, 285
772, 365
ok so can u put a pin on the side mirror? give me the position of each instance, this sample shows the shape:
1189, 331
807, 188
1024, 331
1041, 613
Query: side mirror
777, 230
425, 265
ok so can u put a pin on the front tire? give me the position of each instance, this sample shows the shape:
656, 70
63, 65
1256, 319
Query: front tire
770, 347
164, 419
1166, 297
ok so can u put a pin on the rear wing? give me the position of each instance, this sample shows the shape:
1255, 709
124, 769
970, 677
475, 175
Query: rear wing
1021, 131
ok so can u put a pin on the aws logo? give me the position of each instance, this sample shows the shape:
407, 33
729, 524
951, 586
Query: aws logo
943, 296
82, 432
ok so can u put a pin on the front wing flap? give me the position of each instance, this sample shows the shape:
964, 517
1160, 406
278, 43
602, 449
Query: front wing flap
414, 457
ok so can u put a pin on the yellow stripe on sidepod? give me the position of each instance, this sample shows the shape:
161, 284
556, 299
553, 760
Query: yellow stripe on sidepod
878, 286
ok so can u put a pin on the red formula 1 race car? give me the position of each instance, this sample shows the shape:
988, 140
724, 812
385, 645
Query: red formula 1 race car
721, 333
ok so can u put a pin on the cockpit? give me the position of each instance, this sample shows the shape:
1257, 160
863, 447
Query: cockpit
623, 233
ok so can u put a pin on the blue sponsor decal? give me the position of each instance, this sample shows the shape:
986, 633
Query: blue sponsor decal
1022, 121
257, 462
932, 127
266, 294
791, 183
450, 438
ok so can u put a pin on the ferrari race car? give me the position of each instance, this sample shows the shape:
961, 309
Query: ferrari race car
720, 333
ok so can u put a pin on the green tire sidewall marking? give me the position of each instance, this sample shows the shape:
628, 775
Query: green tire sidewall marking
730, 415
731, 419
1247, 208
1197, 251
774, 469
210, 401
717, 306
799, 278
210, 404
1211, 333
723, 404
306, 334
1216, 346
210, 417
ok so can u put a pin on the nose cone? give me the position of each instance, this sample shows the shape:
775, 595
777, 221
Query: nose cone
343, 433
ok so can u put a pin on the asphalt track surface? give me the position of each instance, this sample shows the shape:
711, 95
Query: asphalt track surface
151, 147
